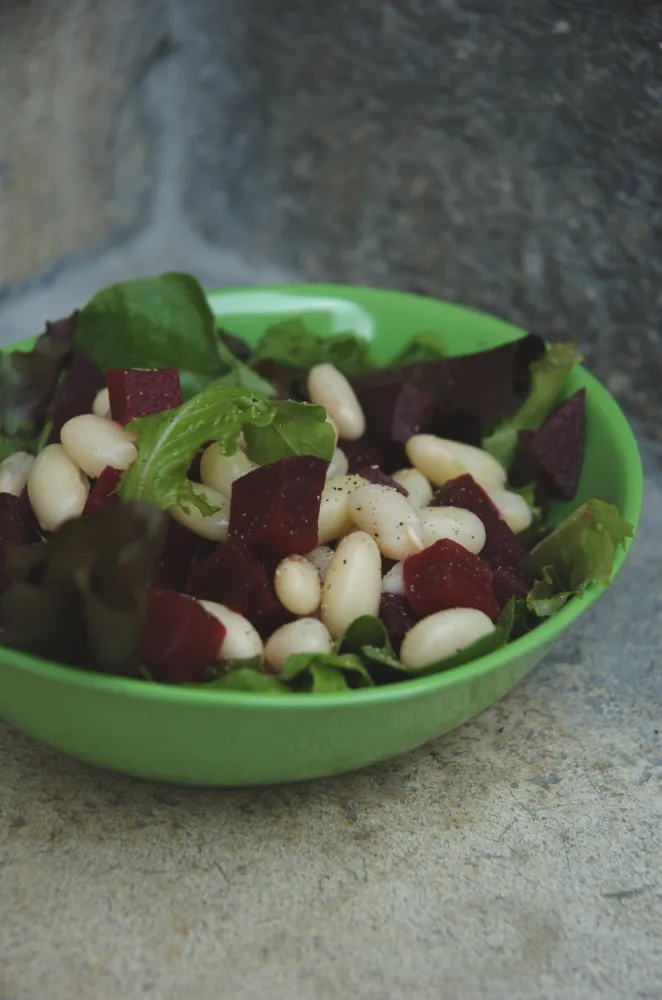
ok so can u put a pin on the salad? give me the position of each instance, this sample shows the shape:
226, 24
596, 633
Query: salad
180, 508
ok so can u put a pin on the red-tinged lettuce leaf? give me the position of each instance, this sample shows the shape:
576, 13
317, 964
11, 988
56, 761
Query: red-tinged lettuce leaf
235, 345
291, 346
488, 384
317, 672
548, 376
161, 322
75, 392
80, 597
578, 552
28, 380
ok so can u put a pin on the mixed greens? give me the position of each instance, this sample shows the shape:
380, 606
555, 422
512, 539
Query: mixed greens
88, 593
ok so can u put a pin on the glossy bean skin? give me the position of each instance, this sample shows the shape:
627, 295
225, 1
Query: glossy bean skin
389, 517
242, 641
439, 460
417, 486
321, 559
334, 517
443, 634
461, 526
14, 472
393, 582
101, 404
338, 465
329, 388
94, 443
298, 586
305, 635
353, 582
220, 471
513, 509
57, 488
212, 526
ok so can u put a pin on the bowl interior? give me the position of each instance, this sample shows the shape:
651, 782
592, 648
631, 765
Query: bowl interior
612, 468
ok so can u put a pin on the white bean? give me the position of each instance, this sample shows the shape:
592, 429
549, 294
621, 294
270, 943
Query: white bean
353, 582
461, 526
417, 486
298, 586
93, 443
440, 460
329, 388
57, 489
389, 517
242, 640
221, 471
513, 509
101, 404
14, 472
332, 422
334, 517
393, 582
306, 635
212, 526
321, 559
338, 465
443, 634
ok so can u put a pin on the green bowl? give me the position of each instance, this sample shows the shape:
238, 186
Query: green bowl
218, 738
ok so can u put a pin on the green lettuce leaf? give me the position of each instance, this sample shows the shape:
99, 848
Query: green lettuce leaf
367, 638
307, 670
246, 679
296, 429
578, 552
80, 597
421, 348
548, 376
168, 441
291, 345
158, 323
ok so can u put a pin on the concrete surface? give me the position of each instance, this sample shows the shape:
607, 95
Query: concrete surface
518, 857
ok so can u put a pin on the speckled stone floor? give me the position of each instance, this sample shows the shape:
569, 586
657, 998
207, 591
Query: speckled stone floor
518, 857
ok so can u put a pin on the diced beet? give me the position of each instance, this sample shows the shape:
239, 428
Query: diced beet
523, 469
180, 640
375, 475
395, 413
75, 393
137, 393
275, 508
502, 547
231, 576
457, 426
398, 617
363, 452
18, 526
557, 448
509, 583
181, 552
101, 494
446, 575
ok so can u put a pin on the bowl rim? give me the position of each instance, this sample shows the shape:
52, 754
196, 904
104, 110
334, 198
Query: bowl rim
543, 636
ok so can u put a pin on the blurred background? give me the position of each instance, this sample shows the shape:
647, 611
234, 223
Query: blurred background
503, 155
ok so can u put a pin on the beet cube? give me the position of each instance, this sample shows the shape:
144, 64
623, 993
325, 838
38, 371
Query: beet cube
556, 450
180, 640
509, 583
398, 617
231, 576
395, 413
75, 393
375, 475
101, 494
181, 552
446, 575
275, 508
362, 453
137, 393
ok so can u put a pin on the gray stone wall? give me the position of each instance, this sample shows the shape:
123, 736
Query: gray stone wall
508, 156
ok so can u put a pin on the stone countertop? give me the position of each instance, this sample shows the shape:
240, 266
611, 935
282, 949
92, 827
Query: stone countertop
516, 857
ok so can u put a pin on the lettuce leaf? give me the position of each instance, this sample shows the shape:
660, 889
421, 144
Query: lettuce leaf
578, 552
168, 441
291, 345
246, 679
317, 672
157, 323
548, 376
421, 348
